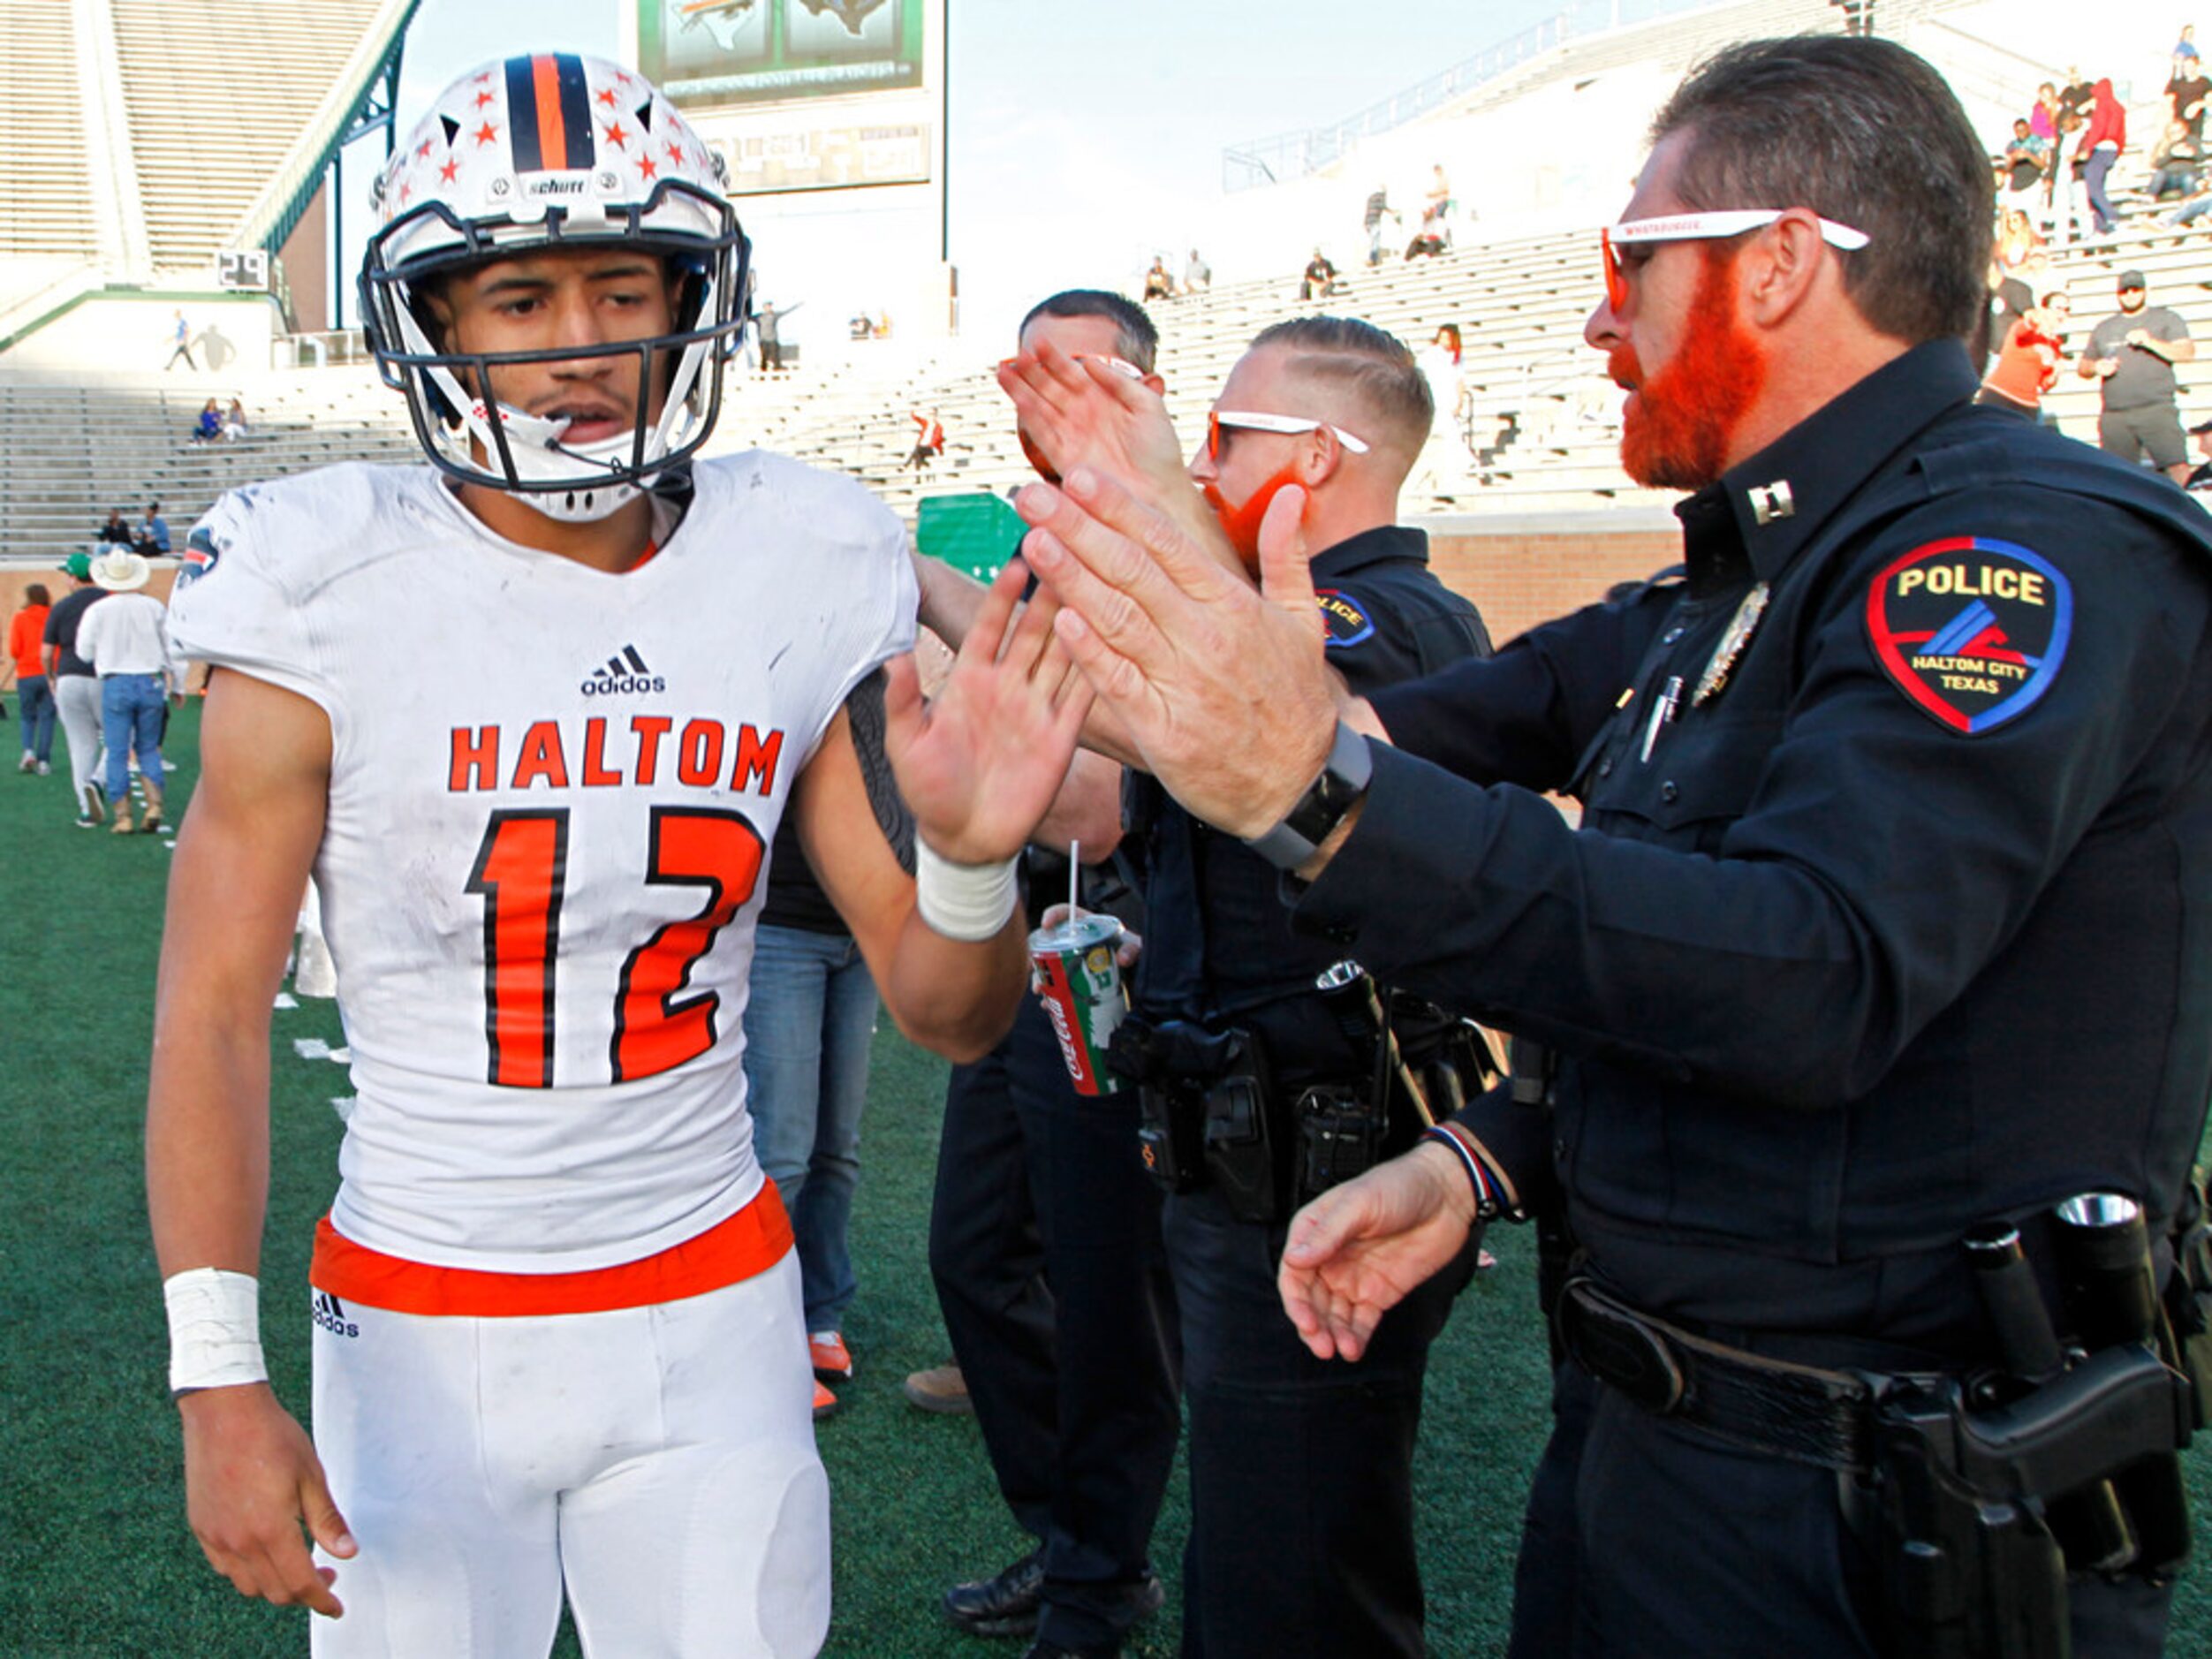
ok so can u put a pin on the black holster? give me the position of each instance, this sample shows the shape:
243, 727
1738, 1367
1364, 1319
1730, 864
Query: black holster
1970, 1567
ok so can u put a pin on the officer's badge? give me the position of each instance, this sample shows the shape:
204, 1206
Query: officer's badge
1738, 634
1971, 629
1347, 624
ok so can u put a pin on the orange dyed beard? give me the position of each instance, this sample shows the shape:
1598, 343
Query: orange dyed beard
1035, 457
1677, 432
1241, 523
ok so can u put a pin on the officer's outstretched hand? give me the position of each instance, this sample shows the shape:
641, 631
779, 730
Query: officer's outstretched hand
1097, 412
981, 763
1220, 689
251, 1477
1359, 1249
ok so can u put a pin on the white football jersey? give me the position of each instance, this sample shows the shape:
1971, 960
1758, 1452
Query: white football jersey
552, 796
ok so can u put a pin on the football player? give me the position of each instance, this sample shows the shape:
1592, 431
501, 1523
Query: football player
530, 717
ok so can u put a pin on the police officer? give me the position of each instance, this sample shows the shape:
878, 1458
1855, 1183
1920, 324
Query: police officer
1302, 1531
1923, 732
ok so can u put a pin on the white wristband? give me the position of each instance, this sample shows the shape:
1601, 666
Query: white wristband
214, 1329
967, 902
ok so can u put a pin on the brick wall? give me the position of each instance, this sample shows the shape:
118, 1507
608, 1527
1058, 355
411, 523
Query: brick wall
1529, 568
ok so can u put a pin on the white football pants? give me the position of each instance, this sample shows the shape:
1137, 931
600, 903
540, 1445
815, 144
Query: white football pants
658, 1462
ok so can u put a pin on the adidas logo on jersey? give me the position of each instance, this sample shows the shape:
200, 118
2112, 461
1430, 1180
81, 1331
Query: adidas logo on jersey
329, 1313
624, 671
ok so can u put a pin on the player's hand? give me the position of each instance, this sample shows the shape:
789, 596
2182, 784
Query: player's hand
981, 763
1128, 945
251, 1478
1359, 1249
1223, 690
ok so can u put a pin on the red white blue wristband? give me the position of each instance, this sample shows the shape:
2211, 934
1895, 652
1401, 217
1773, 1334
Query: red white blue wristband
1486, 1207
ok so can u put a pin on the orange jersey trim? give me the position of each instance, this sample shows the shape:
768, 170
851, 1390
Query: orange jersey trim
750, 1242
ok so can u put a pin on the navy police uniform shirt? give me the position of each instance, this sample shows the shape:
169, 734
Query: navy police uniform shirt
1891, 907
1220, 947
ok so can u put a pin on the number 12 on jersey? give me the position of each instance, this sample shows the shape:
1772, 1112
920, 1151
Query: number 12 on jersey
521, 873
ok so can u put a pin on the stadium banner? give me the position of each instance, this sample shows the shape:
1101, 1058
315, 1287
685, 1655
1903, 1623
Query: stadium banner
716, 54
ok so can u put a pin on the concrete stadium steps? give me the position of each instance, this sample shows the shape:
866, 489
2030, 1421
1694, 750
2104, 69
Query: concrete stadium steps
218, 92
44, 166
1541, 431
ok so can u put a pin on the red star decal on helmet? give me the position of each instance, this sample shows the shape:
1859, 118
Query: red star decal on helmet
406, 194
617, 137
486, 132
676, 153
606, 96
484, 79
646, 169
447, 173
422, 149
483, 98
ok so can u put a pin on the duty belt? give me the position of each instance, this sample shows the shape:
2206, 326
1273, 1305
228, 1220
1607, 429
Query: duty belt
1774, 1407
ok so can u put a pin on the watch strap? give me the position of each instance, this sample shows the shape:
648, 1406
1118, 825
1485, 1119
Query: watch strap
1343, 780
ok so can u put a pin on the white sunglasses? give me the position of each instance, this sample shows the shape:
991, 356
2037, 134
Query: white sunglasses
1701, 227
1247, 421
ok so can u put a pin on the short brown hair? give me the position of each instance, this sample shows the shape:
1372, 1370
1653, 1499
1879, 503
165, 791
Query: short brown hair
1866, 134
1372, 367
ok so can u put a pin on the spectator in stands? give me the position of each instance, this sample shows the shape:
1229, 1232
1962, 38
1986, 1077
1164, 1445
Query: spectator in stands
2076, 94
126, 640
768, 325
2018, 239
1197, 275
928, 440
2024, 158
1427, 242
2175, 162
2010, 299
2194, 206
2101, 144
2133, 352
2186, 90
2200, 479
209, 427
116, 529
1320, 280
34, 693
2042, 120
2067, 162
180, 341
2028, 358
234, 422
153, 535
2186, 46
1436, 213
1157, 284
76, 690
1378, 209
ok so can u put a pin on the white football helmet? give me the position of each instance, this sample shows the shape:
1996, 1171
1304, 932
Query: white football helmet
549, 151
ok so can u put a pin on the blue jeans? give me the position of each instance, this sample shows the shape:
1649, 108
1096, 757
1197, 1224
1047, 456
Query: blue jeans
808, 1022
36, 693
2100, 160
131, 715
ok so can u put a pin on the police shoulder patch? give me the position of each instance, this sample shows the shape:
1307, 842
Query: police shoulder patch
1344, 617
1971, 629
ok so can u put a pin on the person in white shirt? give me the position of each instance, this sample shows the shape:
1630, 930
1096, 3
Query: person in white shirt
125, 639
531, 716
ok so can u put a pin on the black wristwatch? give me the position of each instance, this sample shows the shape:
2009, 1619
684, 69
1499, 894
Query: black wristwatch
1343, 780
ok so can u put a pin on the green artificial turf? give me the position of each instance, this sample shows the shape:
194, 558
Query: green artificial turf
94, 1557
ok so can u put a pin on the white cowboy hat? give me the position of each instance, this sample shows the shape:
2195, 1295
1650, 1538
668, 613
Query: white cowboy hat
120, 570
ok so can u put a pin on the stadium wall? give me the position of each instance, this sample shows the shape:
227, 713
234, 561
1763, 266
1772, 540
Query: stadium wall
1528, 568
